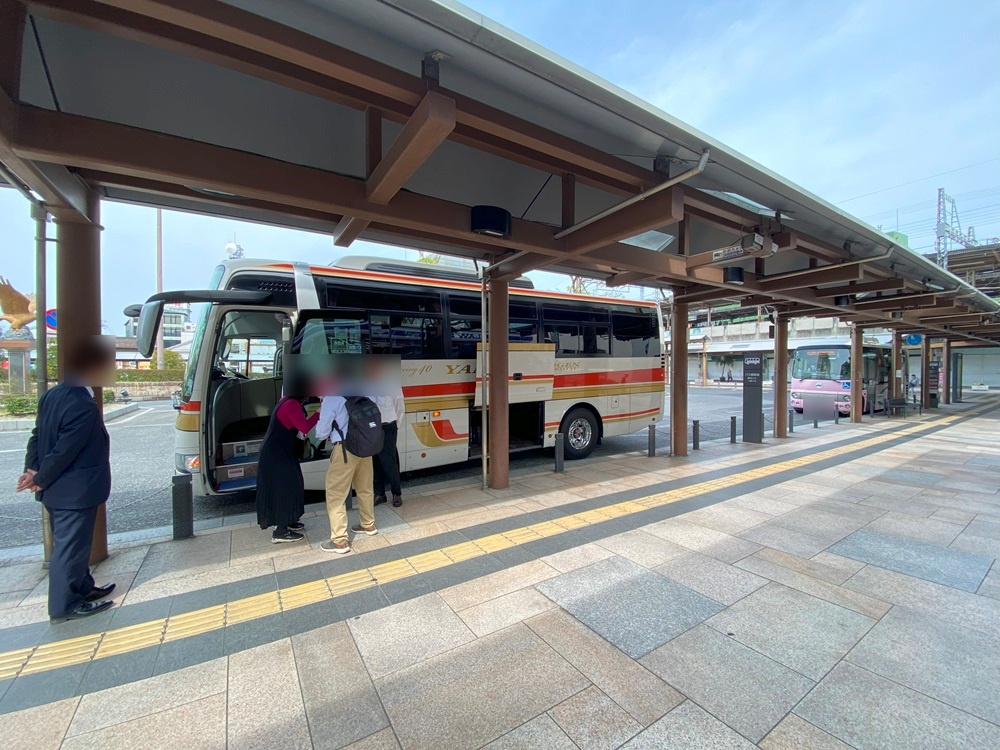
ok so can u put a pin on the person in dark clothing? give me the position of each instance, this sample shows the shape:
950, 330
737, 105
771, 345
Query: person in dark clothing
68, 467
392, 407
280, 489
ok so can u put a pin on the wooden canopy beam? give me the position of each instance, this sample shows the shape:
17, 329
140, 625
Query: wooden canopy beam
811, 277
882, 285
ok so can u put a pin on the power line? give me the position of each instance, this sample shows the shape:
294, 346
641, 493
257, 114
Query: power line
913, 182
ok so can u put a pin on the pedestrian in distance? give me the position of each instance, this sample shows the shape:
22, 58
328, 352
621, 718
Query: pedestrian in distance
353, 425
280, 487
68, 467
392, 408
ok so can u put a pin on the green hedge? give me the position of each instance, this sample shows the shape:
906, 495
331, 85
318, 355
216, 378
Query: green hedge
149, 376
18, 406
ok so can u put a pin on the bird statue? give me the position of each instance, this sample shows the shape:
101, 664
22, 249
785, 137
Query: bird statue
16, 308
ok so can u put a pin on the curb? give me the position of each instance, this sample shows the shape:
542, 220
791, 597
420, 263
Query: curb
14, 425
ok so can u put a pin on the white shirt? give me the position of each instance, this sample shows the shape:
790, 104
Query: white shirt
333, 408
89, 390
392, 406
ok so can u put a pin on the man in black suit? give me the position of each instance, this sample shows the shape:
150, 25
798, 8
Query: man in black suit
68, 466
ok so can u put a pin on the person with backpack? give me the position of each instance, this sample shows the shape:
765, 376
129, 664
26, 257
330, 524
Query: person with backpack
353, 425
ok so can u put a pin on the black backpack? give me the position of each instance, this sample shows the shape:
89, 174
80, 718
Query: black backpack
364, 428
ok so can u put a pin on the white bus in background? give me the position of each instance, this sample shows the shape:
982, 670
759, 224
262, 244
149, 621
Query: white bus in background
585, 366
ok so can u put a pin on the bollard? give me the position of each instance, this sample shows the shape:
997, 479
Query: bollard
791, 420
836, 415
815, 424
696, 434
46, 538
182, 498
560, 451
732, 429
651, 447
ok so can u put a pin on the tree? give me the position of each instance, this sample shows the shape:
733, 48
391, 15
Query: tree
430, 258
591, 287
171, 360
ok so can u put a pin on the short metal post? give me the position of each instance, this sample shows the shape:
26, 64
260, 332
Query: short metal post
791, 420
696, 434
560, 451
732, 429
815, 424
182, 498
836, 415
47, 542
651, 446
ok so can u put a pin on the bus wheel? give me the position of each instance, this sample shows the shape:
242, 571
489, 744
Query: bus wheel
579, 428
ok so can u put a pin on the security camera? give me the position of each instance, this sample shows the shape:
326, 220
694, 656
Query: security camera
748, 246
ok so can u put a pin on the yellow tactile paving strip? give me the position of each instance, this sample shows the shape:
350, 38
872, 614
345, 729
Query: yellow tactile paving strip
57, 654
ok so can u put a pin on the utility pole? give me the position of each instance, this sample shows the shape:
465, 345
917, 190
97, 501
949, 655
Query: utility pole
160, 364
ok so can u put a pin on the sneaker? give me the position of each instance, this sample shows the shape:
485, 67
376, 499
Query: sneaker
380, 500
397, 500
288, 536
367, 530
340, 547
297, 526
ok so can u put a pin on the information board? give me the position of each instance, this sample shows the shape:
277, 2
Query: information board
753, 402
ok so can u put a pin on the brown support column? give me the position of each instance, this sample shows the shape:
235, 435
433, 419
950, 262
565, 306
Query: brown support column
925, 371
678, 378
78, 298
946, 372
898, 371
780, 376
499, 413
857, 373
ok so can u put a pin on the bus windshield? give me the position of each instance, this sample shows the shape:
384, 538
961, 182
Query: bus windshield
822, 364
199, 335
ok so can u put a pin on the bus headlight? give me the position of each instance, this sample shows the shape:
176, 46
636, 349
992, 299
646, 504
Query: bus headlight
187, 463
846, 399
796, 395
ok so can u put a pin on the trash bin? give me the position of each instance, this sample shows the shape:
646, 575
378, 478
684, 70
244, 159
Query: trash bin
934, 400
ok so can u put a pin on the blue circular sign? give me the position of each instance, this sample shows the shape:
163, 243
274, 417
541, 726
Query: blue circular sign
50, 319
914, 339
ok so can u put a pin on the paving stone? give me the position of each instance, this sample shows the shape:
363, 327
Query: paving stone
117, 670
953, 516
577, 557
265, 708
845, 565
36, 689
727, 518
713, 578
488, 587
21, 576
959, 570
795, 733
125, 703
634, 608
810, 567
199, 724
384, 740
983, 528
688, 727
991, 585
709, 542
869, 711
540, 732
642, 548
477, 692
763, 504
594, 722
748, 691
956, 665
979, 545
404, 634
39, 728
839, 595
340, 700
800, 631
644, 695
932, 531
504, 611
912, 506
787, 540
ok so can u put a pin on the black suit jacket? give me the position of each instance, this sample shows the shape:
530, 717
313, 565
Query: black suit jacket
70, 450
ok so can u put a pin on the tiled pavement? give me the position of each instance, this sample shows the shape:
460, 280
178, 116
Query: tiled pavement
837, 589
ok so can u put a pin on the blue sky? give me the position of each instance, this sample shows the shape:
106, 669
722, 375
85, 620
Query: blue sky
870, 104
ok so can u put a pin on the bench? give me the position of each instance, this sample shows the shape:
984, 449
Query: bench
895, 404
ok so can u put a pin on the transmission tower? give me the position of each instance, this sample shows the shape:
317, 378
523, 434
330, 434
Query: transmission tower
949, 229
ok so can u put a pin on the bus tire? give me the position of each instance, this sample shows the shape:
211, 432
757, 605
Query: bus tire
580, 433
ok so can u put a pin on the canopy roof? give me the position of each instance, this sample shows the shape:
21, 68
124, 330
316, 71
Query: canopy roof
388, 120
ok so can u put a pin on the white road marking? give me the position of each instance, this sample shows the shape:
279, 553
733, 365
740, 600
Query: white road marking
139, 413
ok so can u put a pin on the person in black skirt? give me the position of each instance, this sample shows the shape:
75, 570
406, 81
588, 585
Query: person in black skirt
280, 489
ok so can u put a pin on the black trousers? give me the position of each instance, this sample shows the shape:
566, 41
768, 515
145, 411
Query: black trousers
69, 569
386, 463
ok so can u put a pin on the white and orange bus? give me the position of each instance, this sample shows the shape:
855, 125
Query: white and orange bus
585, 366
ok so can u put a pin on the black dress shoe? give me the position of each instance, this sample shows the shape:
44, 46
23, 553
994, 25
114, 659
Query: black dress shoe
380, 500
99, 592
86, 610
